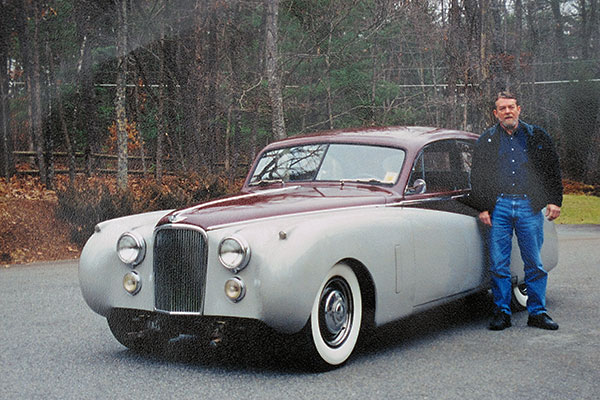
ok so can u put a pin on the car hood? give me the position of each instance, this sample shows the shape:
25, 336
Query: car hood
280, 201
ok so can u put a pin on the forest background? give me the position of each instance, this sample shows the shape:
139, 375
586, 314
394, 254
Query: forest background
119, 106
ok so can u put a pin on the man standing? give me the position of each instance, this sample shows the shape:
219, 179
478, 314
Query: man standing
515, 174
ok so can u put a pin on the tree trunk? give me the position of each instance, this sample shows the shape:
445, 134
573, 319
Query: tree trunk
589, 27
211, 138
36, 97
559, 36
329, 77
197, 79
518, 32
272, 69
31, 62
7, 167
84, 114
592, 164
61, 117
486, 81
120, 100
136, 116
160, 114
455, 55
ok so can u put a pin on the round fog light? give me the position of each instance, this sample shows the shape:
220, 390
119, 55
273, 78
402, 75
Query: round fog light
235, 290
132, 282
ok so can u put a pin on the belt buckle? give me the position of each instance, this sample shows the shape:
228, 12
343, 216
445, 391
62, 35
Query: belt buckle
513, 196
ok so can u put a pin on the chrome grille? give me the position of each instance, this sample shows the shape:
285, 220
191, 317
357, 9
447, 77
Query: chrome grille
179, 270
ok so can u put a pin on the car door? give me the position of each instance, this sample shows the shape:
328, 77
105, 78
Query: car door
448, 251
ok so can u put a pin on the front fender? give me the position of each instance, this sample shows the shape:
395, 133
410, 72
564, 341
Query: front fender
292, 255
101, 271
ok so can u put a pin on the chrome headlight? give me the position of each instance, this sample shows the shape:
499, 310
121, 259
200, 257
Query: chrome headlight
131, 248
234, 253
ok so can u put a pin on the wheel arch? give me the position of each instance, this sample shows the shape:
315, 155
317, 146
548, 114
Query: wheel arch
368, 290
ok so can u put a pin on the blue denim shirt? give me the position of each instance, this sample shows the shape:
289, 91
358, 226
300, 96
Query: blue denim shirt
512, 162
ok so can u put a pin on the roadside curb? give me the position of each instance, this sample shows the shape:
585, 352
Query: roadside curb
35, 264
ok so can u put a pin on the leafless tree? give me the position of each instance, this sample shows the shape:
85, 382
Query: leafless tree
120, 99
272, 67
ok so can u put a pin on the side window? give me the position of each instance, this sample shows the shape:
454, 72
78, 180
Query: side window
444, 166
463, 164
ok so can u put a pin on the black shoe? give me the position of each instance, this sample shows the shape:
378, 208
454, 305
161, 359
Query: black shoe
542, 321
500, 322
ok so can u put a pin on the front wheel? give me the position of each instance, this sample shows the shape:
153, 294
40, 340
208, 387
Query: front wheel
336, 317
519, 297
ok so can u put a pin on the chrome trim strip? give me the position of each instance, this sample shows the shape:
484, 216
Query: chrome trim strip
180, 226
427, 200
230, 224
179, 313
400, 203
450, 297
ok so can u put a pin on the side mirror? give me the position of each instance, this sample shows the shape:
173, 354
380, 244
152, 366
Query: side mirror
419, 187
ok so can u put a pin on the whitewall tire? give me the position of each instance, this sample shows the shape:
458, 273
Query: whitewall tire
336, 316
519, 297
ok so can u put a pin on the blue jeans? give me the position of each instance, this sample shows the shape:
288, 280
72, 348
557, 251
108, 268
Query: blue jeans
513, 214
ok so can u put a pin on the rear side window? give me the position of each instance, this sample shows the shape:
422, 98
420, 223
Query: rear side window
445, 166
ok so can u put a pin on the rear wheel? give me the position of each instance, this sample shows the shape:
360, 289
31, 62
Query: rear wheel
336, 317
519, 297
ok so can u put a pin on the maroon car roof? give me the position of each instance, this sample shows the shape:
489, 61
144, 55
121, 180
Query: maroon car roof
408, 137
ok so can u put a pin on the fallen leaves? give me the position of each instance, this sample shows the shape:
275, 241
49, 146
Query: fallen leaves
29, 230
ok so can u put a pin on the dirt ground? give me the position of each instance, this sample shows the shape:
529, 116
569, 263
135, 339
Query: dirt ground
29, 230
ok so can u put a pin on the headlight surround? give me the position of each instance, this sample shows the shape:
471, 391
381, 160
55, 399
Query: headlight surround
131, 248
234, 253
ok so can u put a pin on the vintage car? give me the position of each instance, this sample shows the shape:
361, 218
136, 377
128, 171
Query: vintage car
332, 232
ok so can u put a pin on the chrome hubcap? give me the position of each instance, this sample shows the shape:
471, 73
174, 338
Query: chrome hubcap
522, 289
335, 312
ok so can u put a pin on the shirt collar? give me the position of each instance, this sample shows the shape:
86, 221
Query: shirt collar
526, 128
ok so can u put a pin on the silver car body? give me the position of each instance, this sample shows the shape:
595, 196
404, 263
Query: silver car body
411, 256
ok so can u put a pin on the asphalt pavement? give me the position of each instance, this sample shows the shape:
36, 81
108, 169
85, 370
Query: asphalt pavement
54, 347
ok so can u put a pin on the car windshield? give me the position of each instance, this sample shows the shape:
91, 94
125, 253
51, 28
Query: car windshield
330, 162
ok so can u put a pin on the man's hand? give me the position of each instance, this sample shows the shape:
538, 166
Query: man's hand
484, 217
552, 212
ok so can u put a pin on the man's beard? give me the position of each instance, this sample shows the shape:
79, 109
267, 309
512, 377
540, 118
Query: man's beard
510, 125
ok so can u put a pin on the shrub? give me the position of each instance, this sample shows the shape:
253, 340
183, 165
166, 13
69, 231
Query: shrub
574, 187
92, 200
83, 206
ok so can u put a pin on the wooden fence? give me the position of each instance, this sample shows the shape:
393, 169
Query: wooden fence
89, 163
98, 163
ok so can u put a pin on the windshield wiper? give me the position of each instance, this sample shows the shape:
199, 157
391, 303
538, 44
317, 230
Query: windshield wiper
365, 180
262, 182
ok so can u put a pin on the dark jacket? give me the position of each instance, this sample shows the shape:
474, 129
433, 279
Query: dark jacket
545, 184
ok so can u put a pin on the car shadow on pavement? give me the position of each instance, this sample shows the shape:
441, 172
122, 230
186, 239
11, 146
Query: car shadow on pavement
473, 311
258, 348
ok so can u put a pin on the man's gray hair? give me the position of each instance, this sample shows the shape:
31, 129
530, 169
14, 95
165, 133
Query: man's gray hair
505, 95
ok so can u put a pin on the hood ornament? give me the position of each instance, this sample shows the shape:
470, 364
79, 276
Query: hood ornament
174, 218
